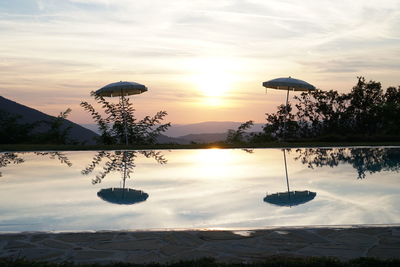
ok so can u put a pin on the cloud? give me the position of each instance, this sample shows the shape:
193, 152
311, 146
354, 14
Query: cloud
352, 65
91, 42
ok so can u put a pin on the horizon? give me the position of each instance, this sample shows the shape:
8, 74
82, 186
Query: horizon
200, 128
202, 61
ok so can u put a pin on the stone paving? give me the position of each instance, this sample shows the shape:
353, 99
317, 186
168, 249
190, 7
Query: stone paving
228, 246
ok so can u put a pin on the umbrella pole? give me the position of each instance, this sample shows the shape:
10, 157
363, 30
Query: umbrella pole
124, 170
287, 178
124, 118
287, 111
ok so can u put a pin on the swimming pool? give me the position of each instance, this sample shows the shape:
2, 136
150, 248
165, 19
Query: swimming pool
201, 189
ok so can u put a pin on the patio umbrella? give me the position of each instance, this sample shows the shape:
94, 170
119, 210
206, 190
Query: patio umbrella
289, 198
122, 89
126, 196
289, 84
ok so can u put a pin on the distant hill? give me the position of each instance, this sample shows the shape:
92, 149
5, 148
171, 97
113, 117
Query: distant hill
210, 130
163, 139
179, 130
204, 132
192, 138
30, 115
204, 138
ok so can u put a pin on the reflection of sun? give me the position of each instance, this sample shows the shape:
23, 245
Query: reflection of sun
213, 162
213, 77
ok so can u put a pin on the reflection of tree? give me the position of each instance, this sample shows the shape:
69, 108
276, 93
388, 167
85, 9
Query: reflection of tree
9, 158
59, 155
119, 161
15, 158
364, 160
248, 150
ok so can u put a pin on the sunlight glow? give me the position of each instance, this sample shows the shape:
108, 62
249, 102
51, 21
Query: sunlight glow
213, 77
212, 163
213, 101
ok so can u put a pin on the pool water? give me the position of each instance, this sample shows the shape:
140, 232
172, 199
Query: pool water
202, 189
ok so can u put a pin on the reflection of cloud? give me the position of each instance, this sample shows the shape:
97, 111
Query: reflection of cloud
53, 196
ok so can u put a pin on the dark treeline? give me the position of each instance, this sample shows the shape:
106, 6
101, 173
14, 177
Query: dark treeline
53, 131
367, 113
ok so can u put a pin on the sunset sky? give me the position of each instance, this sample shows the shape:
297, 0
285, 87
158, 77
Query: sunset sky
201, 60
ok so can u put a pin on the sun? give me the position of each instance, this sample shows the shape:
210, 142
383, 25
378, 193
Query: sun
213, 82
212, 77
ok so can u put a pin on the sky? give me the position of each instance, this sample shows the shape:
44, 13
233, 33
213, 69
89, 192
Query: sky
201, 60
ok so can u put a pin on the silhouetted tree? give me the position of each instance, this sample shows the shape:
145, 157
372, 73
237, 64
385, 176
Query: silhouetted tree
278, 126
366, 102
238, 136
112, 126
321, 113
51, 131
281, 125
12, 131
58, 131
390, 111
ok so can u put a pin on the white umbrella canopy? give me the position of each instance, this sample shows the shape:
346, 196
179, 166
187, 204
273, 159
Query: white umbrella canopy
121, 89
289, 84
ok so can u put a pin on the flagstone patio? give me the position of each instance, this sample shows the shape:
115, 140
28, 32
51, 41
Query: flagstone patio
228, 246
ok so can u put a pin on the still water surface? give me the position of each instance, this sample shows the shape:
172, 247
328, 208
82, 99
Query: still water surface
211, 188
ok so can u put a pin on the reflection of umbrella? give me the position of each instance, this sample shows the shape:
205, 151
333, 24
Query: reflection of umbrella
125, 196
288, 84
122, 195
122, 89
289, 198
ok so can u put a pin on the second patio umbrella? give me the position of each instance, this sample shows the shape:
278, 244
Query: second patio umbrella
289, 84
